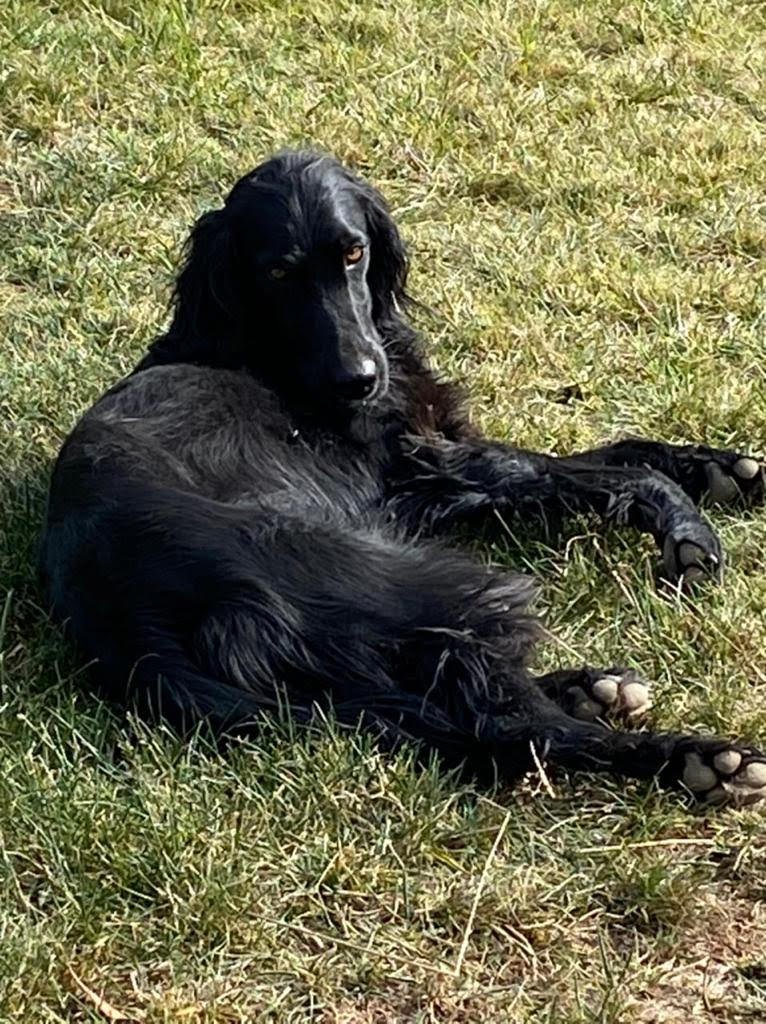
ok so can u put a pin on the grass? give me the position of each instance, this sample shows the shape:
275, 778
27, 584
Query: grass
582, 188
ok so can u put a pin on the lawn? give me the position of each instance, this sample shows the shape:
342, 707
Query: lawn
582, 187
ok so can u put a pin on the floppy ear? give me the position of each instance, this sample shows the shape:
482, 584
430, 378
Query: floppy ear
206, 294
387, 273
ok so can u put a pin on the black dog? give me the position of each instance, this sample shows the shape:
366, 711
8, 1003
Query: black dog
243, 524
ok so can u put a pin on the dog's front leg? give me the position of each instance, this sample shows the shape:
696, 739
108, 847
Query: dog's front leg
722, 476
441, 483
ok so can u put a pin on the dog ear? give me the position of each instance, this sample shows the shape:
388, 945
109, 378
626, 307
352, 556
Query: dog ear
206, 296
387, 273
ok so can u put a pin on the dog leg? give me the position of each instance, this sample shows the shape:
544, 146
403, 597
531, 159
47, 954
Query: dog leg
443, 483
711, 770
718, 476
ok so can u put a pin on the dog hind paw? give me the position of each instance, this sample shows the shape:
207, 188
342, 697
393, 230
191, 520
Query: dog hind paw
721, 773
616, 693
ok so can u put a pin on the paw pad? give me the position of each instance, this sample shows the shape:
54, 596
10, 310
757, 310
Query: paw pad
606, 690
746, 468
722, 488
727, 762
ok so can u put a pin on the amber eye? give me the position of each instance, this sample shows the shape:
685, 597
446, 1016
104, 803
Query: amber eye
277, 273
353, 255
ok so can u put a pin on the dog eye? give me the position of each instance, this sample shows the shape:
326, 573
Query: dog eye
277, 273
353, 255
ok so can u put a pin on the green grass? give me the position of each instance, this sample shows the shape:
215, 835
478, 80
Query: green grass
582, 188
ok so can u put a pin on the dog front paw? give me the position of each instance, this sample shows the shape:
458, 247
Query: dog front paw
733, 478
691, 554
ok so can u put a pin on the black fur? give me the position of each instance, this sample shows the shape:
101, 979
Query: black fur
231, 530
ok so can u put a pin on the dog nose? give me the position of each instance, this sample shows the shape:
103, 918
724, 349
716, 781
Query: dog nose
359, 384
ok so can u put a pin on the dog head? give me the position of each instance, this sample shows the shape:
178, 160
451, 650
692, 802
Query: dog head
295, 278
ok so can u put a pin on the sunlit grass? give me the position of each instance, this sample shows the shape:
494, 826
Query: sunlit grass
582, 190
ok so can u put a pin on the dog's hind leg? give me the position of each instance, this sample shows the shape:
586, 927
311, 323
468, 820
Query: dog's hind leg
712, 770
488, 739
413, 642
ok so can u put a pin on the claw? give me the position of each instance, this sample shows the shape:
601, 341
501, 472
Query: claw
689, 561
